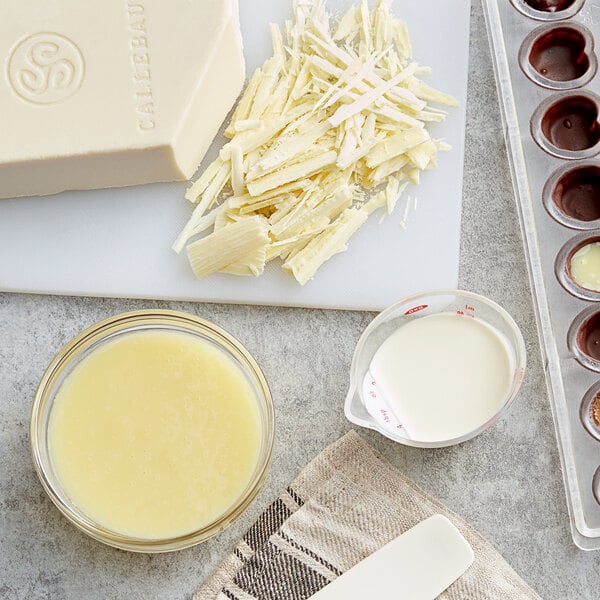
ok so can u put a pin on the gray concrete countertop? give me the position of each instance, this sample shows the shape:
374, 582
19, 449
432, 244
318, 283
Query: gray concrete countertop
507, 482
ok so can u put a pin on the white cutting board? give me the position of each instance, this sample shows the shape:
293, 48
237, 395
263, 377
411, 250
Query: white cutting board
117, 242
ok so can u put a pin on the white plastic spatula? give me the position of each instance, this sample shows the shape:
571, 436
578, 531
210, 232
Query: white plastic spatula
418, 565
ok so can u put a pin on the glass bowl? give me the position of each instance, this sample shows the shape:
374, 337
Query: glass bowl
366, 407
84, 344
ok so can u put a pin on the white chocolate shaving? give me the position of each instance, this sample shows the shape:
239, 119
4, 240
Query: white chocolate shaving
330, 129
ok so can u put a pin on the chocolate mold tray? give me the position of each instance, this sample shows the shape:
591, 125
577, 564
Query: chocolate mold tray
546, 69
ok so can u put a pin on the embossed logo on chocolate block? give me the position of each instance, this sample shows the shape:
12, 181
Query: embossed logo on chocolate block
46, 68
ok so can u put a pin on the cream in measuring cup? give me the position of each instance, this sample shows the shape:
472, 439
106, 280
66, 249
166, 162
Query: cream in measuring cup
442, 376
436, 369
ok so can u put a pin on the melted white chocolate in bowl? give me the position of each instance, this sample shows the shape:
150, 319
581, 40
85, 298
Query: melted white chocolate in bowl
155, 434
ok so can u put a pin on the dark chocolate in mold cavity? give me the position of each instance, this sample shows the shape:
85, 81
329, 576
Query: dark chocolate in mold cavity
577, 193
596, 485
566, 125
562, 270
548, 10
550, 5
559, 57
559, 54
571, 124
588, 337
583, 340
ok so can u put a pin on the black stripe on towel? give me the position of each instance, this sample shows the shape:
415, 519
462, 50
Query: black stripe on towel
295, 496
271, 574
310, 553
229, 594
267, 524
239, 554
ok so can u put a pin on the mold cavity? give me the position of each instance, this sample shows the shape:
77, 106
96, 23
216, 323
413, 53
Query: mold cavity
584, 265
559, 55
548, 10
577, 268
588, 341
583, 340
550, 5
571, 124
595, 410
577, 193
589, 411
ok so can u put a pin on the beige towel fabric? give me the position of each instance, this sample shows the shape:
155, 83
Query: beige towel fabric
342, 507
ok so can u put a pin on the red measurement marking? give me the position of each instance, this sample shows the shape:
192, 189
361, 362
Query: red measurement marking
415, 309
372, 393
460, 312
385, 416
399, 426
467, 307
521, 375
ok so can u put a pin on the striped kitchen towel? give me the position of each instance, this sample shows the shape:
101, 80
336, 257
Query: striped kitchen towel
342, 507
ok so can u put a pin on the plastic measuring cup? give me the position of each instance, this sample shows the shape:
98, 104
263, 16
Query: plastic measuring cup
366, 407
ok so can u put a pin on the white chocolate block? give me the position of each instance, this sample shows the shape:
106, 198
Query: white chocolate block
112, 93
